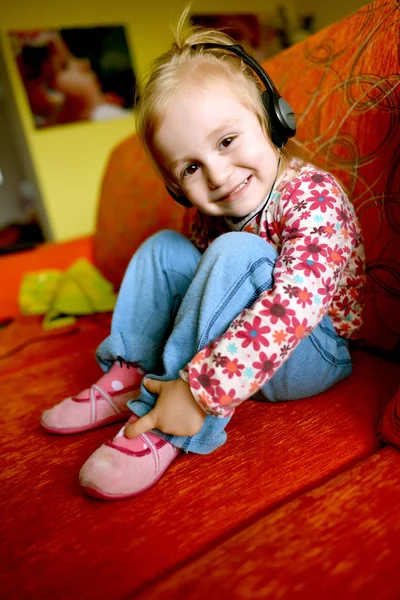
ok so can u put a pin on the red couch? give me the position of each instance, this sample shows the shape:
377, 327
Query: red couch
303, 500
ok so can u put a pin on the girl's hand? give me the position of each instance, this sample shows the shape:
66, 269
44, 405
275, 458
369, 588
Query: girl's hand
176, 411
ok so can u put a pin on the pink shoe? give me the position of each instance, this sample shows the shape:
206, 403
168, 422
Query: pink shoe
123, 467
102, 404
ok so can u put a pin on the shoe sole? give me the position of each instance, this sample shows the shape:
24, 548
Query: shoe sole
95, 493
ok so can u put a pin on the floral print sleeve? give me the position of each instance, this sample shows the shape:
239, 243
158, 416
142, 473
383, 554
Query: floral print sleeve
319, 270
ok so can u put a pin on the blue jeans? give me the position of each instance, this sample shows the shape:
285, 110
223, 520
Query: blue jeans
174, 300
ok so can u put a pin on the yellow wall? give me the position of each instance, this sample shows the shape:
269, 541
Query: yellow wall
69, 159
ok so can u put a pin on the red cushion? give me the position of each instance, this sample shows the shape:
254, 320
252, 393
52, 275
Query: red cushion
340, 540
25, 344
51, 532
389, 426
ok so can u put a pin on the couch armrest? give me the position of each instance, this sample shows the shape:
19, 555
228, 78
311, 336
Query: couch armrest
58, 255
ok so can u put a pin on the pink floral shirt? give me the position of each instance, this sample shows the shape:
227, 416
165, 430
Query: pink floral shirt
320, 270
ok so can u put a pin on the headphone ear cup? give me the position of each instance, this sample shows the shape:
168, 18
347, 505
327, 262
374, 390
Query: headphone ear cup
286, 116
180, 198
280, 116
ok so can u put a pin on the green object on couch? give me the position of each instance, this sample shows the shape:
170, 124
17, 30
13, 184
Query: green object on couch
62, 296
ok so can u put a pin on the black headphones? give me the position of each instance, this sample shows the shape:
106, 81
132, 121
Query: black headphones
280, 114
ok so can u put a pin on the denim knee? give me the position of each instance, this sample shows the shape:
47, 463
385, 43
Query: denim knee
166, 238
169, 250
236, 244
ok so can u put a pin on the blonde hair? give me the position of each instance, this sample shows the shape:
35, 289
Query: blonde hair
171, 71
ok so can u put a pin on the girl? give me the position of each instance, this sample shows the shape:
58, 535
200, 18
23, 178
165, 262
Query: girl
261, 301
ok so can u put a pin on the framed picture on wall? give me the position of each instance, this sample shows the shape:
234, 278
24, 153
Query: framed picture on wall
260, 35
75, 74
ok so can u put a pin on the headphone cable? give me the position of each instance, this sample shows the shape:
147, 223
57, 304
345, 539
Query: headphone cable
266, 201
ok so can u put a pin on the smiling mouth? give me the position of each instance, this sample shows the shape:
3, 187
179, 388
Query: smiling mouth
238, 189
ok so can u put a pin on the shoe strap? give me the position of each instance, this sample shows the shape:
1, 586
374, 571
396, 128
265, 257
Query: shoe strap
150, 445
103, 394
154, 451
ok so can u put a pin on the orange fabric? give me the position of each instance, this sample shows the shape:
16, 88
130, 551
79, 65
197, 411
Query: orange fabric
45, 256
133, 205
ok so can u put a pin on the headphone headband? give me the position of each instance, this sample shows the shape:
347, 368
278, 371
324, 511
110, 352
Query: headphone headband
249, 60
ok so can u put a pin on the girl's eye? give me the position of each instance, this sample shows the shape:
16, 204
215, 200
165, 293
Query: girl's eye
190, 170
227, 142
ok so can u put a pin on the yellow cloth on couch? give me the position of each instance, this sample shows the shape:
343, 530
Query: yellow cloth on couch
63, 295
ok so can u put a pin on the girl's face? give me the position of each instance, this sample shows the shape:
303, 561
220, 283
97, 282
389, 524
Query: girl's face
214, 148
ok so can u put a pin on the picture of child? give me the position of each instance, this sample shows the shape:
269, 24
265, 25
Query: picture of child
76, 74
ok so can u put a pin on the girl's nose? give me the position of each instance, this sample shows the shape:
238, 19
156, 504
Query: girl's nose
217, 174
